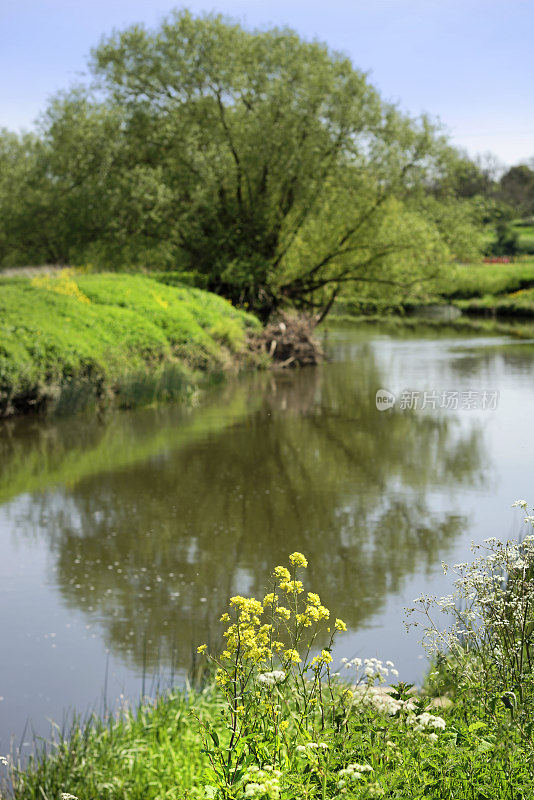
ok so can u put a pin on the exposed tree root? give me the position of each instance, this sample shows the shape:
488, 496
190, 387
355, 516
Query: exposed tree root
289, 341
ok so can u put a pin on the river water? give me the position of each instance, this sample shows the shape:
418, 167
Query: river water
123, 536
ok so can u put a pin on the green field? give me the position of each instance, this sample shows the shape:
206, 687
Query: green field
502, 289
478, 280
70, 337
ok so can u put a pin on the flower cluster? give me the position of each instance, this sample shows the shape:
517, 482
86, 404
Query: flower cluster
426, 724
275, 676
262, 783
374, 668
380, 698
304, 749
271, 678
353, 773
491, 609
63, 283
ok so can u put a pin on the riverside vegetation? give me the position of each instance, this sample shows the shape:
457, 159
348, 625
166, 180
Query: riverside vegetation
70, 340
253, 164
275, 720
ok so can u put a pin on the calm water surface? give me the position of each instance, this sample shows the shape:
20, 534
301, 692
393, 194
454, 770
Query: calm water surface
121, 538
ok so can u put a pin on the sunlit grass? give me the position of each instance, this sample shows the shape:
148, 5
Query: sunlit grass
69, 339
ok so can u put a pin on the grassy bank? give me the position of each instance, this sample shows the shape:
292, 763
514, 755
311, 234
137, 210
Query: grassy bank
72, 339
505, 290
467, 281
158, 751
278, 723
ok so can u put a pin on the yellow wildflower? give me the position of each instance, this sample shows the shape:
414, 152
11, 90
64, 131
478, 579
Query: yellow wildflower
202, 648
292, 587
323, 658
283, 612
340, 625
298, 560
221, 678
282, 573
293, 656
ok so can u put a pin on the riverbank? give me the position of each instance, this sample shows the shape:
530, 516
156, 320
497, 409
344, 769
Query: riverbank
323, 444
69, 341
500, 290
276, 721
473, 290
158, 751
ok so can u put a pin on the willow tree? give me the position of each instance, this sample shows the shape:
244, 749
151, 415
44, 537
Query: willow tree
286, 172
264, 162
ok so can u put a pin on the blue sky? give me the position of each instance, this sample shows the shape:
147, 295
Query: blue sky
470, 63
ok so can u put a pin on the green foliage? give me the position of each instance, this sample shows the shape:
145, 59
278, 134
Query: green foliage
486, 648
298, 731
506, 241
516, 188
265, 164
105, 332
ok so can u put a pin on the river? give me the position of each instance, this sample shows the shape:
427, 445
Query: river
122, 536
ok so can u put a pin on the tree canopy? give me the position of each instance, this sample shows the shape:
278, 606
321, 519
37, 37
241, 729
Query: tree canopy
265, 163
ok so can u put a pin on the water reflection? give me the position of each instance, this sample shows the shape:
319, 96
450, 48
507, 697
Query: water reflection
162, 515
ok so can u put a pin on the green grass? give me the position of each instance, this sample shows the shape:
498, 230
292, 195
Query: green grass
157, 752
506, 289
153, 752
110, 335
478, 280
501, 289
516, 304
526, 238
303, 731
419, 325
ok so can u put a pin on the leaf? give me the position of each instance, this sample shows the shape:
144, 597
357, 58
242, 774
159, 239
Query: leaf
484, 746
215, 738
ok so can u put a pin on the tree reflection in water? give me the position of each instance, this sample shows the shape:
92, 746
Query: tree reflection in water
152, 546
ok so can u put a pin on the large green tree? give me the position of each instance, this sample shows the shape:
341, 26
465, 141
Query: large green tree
264, 162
